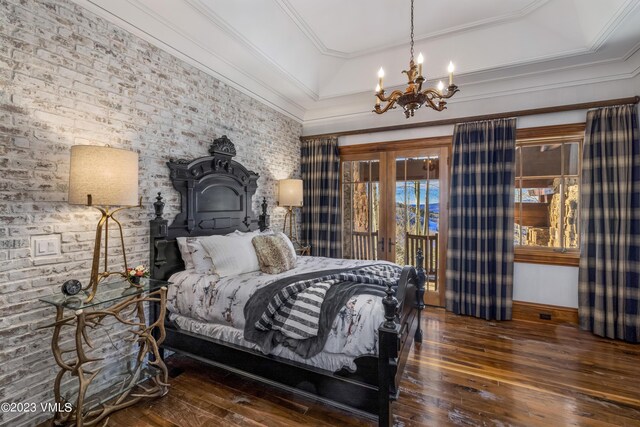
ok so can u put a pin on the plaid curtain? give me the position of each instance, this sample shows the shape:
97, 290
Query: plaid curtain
321, 211
480, 251
610, 240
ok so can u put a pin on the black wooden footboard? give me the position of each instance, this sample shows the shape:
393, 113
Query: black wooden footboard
396, 334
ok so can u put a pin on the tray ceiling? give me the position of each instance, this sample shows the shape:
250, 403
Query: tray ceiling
352, 28
304, 56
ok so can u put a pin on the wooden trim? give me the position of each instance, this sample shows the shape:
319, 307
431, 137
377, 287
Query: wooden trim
549, 257
539, 134
554, 132
520, 113
559, 133
401, 145
542, 313
354, 157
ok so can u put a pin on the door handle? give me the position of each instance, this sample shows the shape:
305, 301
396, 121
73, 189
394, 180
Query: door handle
391, 243
381, 244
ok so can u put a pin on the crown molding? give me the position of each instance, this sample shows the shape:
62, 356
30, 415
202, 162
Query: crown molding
302, 25
616, 20
306, 29
272, 98
510, 67
365, 112
217, 20
350, 104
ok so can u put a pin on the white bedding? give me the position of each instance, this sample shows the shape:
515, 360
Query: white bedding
214, 307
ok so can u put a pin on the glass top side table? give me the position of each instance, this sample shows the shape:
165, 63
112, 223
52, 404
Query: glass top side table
143, 375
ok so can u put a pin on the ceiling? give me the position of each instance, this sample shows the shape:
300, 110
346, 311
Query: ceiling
313, 60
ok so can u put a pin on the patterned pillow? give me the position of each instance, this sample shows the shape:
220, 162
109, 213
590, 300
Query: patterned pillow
185, 253
200, 259
273, 254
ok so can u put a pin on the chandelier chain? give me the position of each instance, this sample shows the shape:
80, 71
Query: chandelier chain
411, 30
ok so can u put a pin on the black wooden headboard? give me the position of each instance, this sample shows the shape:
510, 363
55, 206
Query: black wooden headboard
215, 198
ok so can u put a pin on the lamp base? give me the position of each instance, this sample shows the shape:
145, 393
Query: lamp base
291, 216
96, 275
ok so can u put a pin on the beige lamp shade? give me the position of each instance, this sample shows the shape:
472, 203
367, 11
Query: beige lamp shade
290, 192
109, 175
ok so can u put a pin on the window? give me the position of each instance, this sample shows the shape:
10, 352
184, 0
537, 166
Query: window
547, 189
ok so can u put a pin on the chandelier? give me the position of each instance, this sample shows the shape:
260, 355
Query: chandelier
414, 96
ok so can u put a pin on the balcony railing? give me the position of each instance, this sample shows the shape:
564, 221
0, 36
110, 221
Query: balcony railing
429, 246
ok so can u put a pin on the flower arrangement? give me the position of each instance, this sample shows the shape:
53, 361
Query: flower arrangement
134, 274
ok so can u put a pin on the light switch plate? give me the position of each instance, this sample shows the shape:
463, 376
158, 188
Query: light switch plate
45, 246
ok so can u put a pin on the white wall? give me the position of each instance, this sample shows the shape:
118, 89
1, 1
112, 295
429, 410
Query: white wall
546, 284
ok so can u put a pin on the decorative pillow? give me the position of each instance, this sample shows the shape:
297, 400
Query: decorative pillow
201, 260
231, 255
273, 253
289, 244
185, 253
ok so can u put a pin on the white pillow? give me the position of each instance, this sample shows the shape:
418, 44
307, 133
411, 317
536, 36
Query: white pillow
252, 233
201, 260
289, 244
185, 253
232, 255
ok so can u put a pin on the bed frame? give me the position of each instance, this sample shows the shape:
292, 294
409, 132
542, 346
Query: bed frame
216, 198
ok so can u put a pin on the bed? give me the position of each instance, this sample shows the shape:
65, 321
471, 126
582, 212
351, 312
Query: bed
359, 373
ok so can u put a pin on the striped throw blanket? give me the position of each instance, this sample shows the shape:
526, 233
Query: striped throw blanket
295, 310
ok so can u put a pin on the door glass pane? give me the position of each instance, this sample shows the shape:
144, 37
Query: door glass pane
347, 172
360, 208
417, 213
347, 219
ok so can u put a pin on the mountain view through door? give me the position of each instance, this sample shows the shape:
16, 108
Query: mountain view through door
391, 207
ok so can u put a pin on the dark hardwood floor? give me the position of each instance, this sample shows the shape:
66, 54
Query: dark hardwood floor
468, 372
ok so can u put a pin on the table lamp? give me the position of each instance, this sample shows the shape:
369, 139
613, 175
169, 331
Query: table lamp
103, 178
290, 196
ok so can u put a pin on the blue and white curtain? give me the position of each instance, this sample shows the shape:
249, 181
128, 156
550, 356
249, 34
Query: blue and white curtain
480, 248
610, 238
321, 225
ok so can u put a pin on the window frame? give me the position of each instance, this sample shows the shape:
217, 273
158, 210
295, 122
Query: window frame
549, 135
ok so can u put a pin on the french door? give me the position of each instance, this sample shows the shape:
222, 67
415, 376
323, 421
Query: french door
394, 203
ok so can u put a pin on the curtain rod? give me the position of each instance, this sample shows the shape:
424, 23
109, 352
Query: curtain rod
520, 113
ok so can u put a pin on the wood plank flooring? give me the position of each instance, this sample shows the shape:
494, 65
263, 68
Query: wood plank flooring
467, 372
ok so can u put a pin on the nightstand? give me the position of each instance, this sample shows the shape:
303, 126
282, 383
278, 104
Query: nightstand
105, 384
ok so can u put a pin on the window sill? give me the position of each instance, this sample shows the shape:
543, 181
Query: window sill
533, 256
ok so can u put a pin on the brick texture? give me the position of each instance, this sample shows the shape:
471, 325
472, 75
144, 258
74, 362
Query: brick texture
68, 77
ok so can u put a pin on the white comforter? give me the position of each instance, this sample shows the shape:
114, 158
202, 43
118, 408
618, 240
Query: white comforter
207, 305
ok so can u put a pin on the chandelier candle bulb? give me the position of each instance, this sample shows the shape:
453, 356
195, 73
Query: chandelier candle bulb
440, 86
377, 92
380, 76
420, 61
451, 69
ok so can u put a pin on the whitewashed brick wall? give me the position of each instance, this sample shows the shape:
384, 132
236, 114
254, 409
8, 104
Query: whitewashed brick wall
68, 77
